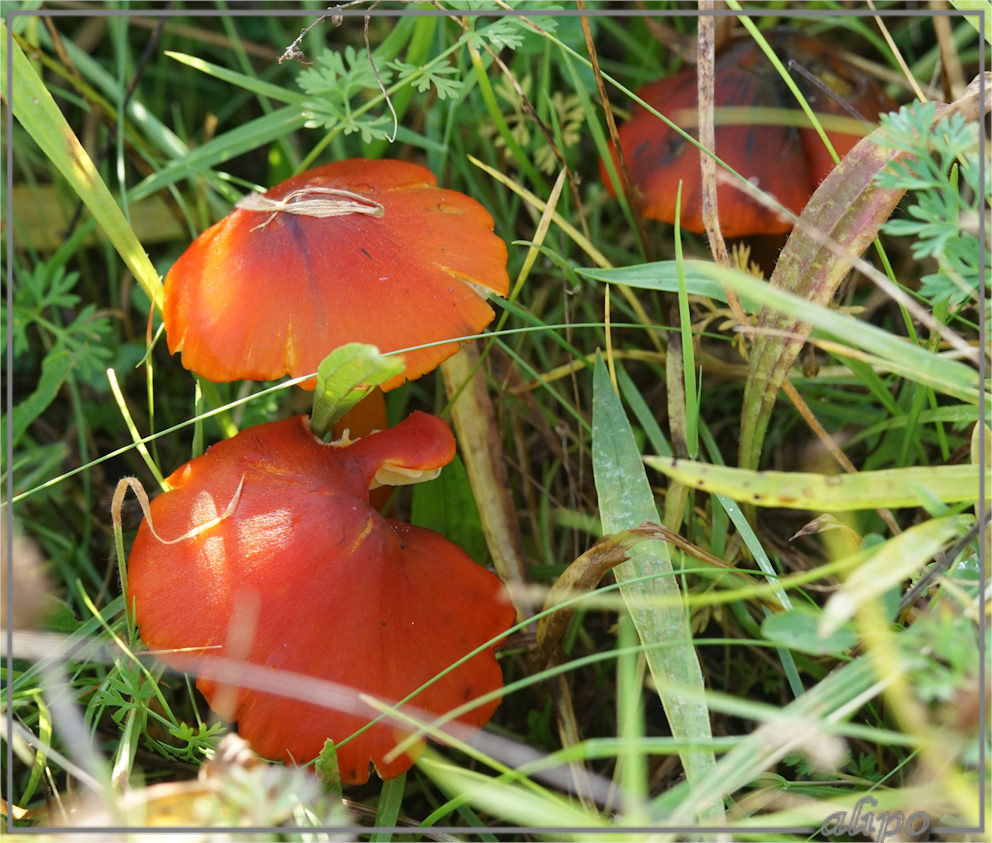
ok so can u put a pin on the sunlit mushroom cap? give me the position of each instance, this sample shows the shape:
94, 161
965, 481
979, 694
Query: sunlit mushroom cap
753, 133
354, 251
301, 574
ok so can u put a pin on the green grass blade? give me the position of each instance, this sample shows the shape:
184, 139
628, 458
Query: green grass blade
106, 85
387, 810
241, 80
57, 366
895, 354
244, 138
818, 709
785, 77
518, 803
36, 111
115, 389
626, 501
665, 276
912, 362
971, 8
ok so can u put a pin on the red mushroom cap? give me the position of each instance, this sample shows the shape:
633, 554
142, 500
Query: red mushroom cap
265, 293
785, 161
303, 575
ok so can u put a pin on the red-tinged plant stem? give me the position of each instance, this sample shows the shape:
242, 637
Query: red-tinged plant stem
842, 218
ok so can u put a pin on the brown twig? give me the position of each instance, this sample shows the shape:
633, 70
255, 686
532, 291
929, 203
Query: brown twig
951, 73
707, 139
293, 51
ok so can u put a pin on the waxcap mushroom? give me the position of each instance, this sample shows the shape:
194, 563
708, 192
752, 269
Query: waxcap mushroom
786, 161
266, 550
352, 251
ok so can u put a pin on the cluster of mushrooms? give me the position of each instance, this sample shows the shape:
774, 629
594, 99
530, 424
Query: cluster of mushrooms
266, 551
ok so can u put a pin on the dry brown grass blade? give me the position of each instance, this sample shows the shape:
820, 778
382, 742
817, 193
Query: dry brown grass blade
475, 424
585, 572
581, 577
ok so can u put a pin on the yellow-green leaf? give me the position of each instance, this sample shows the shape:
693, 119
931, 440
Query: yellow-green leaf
896, 560
891, 488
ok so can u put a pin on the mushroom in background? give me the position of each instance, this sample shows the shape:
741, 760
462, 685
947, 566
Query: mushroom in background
785, 161
353, 251
267, 550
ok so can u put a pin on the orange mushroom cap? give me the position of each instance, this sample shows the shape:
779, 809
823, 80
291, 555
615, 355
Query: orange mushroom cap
787, 162
265, 293
301, 574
